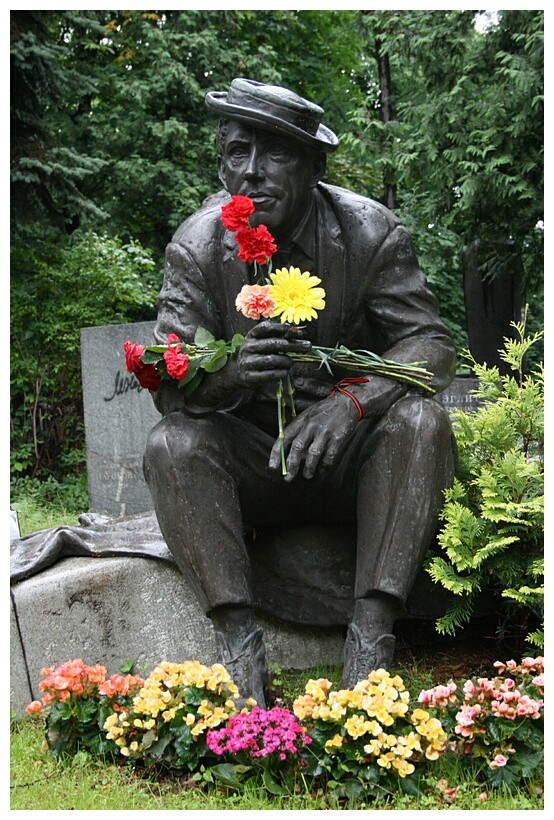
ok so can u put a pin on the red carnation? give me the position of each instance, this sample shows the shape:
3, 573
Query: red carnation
176, 362
146, 374
255, 245
235, 214
132, 356
148, 377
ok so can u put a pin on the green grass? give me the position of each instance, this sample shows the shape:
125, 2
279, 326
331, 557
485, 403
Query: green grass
32, 516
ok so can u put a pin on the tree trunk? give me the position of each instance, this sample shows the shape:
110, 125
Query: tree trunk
383, 66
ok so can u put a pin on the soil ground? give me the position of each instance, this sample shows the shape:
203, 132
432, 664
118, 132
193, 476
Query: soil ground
471, 652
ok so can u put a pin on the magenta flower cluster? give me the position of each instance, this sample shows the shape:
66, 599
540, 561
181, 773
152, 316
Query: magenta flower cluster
259, 733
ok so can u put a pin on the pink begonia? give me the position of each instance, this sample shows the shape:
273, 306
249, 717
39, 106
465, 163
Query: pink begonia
469, 689
483, 797
439, 695
498, 761
539, 683
466, 718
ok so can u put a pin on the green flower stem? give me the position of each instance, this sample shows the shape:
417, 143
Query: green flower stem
290, 390
281, 425
409, 374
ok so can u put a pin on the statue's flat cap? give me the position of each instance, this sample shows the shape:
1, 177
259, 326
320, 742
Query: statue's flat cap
274, 109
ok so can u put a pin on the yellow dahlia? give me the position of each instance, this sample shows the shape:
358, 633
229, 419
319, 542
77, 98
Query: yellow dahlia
296, 295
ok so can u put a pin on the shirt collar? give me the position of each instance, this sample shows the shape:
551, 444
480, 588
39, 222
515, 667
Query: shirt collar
304, 236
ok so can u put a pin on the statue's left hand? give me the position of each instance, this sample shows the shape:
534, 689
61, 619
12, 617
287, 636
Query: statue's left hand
316, 436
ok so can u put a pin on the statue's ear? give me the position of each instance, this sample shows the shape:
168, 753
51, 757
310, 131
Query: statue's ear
221, 172
320, 166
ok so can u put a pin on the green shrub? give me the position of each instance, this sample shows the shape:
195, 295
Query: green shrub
56, 289
493, 532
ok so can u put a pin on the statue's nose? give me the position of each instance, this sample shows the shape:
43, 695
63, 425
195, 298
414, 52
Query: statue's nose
254, 168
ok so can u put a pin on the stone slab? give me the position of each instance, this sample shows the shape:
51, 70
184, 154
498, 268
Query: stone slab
459, 396
107, 610
119, 415
20, 689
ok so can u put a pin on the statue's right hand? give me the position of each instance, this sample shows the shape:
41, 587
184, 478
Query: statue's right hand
262, 357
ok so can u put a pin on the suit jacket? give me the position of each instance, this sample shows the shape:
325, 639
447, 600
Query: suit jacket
376, 296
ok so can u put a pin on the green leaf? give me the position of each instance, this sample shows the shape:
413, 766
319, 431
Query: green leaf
152, 356
231, 774
236, 342
507, 777
190, 386
217, 361
272, 786
203, 337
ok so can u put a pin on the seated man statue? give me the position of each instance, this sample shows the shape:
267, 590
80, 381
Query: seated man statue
379, 453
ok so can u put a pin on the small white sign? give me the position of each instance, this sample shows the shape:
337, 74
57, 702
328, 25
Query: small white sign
14, 526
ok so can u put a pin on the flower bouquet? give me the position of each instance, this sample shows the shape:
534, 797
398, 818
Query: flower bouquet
287, 294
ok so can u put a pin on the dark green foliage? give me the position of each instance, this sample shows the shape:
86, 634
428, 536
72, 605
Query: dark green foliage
47, 167
464, 147
88, 280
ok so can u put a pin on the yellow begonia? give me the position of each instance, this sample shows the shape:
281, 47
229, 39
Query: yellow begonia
404, 768
373, 747
198, 729
355, 726
318, 689
321, 711
334, 743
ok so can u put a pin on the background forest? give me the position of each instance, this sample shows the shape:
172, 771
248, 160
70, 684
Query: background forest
112, 147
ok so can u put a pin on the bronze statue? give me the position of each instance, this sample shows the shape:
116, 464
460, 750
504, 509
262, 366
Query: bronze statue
378, 454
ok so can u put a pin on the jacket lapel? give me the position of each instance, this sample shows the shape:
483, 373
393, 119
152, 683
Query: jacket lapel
331, 269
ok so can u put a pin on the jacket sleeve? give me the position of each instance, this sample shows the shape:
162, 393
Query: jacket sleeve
184, 304
403, 311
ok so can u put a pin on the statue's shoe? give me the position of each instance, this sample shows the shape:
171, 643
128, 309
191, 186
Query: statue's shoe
247, 667
362, 656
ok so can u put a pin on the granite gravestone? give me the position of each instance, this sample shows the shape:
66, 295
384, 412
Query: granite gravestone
119, 414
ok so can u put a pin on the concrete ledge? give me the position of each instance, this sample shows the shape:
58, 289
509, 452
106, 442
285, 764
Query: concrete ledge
107, 610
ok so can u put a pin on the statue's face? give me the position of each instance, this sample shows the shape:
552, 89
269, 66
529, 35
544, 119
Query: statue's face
275, 172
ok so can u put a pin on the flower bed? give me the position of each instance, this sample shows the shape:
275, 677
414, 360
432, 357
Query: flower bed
367, 741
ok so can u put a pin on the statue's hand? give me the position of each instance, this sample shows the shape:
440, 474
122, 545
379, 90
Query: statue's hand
262, 357
316, 436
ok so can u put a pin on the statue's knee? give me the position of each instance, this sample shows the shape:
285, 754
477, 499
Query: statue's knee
423, 417
175, 439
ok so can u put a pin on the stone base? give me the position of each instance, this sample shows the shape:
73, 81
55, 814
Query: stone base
107, 610
110, 609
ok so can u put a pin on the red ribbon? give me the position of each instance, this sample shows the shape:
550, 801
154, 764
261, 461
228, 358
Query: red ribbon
341, 388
